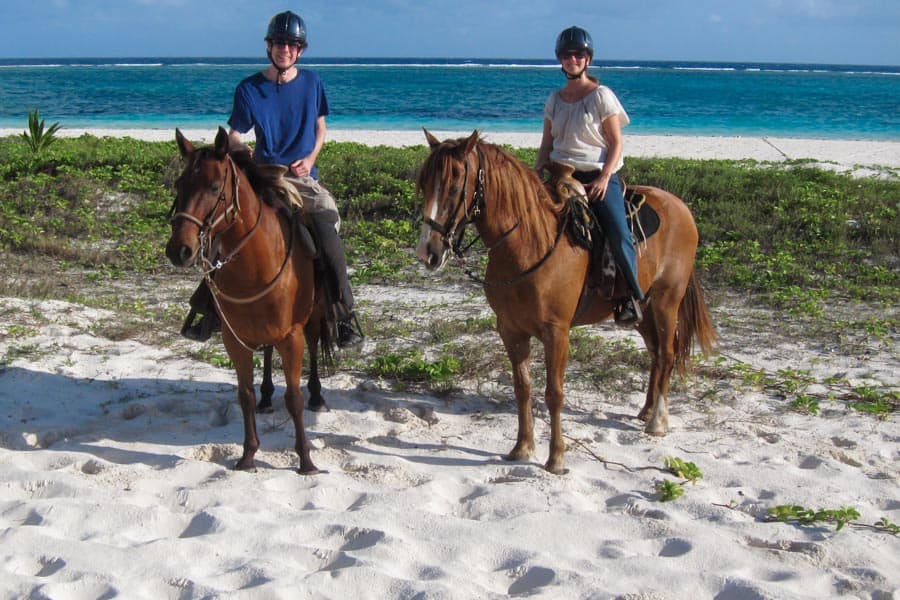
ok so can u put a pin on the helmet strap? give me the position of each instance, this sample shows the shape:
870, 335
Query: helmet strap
280, 71
570, 76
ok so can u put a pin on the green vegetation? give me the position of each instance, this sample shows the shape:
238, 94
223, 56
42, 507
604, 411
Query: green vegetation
796, 237
688, 473
38, 138
805, 516
80, 217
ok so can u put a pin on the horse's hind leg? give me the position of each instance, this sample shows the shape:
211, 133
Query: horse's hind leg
519, 351
316, 401
658, 330
267, 387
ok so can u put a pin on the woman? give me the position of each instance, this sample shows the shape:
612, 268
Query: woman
583, 124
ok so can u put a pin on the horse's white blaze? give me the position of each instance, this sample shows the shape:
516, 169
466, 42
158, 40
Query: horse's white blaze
427, 230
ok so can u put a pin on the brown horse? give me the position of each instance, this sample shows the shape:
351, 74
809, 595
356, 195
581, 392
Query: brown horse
536, 276
263, 287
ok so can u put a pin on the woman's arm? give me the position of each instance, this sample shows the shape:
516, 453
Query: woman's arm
543, 156
612, 132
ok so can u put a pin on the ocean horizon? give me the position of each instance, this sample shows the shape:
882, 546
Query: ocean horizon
459, 94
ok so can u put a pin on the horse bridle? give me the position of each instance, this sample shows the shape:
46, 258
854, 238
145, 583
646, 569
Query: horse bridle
209, 247
472, 210
206, 226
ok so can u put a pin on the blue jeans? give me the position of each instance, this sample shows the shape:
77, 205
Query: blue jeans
611, 214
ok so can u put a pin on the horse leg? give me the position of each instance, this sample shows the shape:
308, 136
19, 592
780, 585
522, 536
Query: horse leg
243, 364
316, 401
556, 355
519, 351
266, 388
292, 356
658, 331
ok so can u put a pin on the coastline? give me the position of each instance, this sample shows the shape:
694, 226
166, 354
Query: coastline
860, 157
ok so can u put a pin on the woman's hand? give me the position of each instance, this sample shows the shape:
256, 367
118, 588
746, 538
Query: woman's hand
596, 189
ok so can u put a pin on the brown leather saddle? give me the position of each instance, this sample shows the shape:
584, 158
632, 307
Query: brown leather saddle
583, 228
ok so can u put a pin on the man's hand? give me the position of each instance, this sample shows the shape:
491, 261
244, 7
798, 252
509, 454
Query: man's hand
302, 167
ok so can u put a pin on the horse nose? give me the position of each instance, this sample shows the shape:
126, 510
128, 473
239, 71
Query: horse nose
180, 255
429, 257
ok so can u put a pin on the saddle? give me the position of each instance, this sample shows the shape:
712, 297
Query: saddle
584, 229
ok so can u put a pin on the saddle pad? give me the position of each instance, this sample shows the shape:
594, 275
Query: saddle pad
647, 220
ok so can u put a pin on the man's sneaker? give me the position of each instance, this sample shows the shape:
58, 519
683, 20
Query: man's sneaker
203, 329
628, 312
349, 332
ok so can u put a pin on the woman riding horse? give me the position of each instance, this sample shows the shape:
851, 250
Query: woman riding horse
536, 279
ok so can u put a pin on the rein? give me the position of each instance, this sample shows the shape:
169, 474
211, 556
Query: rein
209, 246
473, 210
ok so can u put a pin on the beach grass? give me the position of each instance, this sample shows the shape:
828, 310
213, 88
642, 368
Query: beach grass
86, 220
795, 238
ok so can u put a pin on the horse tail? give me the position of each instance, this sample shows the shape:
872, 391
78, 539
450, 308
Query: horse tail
694, 324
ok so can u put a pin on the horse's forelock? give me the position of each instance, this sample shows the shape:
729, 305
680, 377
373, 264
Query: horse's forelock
436, 164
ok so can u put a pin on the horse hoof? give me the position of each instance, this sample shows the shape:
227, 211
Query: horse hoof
517, 456
310, 470
318, 406
241, 465
656, 432
556, 468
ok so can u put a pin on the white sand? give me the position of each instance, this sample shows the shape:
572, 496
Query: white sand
858, 157
115, 477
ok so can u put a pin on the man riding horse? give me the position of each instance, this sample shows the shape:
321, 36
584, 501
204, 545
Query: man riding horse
286, 108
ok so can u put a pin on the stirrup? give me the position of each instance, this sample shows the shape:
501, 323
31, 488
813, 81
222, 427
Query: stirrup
628, 312
349, 332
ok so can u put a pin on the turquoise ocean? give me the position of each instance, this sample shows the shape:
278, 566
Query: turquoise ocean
684, 98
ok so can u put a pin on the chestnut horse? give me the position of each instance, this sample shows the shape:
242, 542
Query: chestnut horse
536, 276
264, 287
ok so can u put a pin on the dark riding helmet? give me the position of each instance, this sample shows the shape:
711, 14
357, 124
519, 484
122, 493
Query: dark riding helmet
573, 39
287, 27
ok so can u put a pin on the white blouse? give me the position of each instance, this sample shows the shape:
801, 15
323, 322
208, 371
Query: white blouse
577, 128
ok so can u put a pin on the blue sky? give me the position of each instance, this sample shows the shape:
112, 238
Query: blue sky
813, 31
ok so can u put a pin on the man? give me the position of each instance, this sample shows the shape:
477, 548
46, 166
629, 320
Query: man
286, 108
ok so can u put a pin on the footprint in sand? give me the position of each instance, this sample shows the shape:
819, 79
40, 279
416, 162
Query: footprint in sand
533, 578
201, 524
675, 547
360, 539
50, 566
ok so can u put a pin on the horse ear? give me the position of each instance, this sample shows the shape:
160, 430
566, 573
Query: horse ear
221, 144
432, 141
184, 146
473, 139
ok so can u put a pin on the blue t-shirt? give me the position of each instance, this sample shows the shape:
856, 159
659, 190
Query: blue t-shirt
283, 117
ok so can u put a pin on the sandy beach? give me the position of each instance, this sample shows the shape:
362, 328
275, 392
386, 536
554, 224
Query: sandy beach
116, 455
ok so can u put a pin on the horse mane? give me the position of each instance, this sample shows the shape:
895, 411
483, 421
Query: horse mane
525, 198
517, 195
